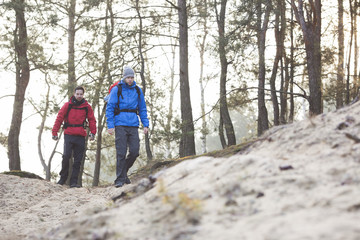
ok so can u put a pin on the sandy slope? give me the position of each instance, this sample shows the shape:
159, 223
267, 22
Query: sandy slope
245, 196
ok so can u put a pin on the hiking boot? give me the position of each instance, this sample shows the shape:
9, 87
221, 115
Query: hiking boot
127, 180
119, 184
61, 181
75, 185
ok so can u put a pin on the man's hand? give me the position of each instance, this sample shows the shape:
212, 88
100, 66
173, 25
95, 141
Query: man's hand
55, 137
92, 136
146, 130
111, 131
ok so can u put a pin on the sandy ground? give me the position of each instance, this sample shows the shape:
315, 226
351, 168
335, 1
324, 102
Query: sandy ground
299, 181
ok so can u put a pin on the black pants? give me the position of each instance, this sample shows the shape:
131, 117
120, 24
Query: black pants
74, 144
125, 137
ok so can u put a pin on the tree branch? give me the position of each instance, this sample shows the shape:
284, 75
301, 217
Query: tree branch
7, 96
173, 5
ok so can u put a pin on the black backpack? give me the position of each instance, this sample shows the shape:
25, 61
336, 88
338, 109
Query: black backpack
66, 120
117, 109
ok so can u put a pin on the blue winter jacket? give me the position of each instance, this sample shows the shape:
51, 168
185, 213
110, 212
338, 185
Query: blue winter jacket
131, 100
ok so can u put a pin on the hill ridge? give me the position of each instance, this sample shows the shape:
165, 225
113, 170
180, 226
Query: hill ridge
301, 181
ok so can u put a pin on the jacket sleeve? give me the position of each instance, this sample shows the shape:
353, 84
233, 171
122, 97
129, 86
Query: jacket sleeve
111, 104
92, 120
59, 119
143, 110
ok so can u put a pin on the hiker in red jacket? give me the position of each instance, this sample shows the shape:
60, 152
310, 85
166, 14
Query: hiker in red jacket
74, 114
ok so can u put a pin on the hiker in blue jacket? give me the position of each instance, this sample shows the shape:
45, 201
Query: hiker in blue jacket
126, 102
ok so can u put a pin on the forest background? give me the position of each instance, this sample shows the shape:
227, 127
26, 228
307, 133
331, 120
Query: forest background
214, 73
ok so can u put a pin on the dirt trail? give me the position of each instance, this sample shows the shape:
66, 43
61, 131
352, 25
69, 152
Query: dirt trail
300, 181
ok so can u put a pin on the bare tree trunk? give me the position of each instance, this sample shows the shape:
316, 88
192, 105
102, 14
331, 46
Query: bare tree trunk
71, 48
224, 111
311, 29
278, 56
340, 67
187, 142
71, 67
221, 133
169, 116
347, 85
262, 26
292, 69
46, 166
285, 82
41, 129
356, 73
96, 179
173, 86
284, 89
109, 29
202, 44
142, 75
22, 80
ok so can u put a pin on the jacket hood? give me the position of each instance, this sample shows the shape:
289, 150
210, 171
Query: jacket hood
123, 83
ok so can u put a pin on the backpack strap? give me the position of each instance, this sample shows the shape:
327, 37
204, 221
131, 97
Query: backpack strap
66, 120
128, 110
119, 93
67, 113
138, 91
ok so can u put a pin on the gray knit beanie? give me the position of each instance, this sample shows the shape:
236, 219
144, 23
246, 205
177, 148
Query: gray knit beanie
128, 72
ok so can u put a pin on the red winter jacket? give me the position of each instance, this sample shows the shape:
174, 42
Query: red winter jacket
76, 115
